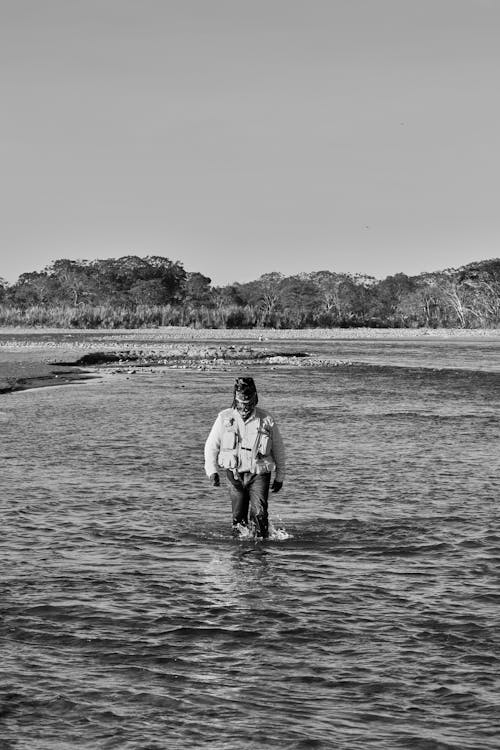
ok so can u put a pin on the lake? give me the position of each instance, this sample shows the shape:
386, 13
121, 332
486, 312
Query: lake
132, 619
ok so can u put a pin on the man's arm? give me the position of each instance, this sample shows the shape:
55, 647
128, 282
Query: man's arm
212, 447
278, 452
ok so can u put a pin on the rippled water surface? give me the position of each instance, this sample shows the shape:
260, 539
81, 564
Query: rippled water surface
131, 619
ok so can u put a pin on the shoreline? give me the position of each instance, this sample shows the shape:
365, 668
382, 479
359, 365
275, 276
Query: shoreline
25, 382
43, 357
181, 333
28, 373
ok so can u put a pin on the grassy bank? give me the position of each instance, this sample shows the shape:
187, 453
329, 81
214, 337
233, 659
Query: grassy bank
229, 317
90, 317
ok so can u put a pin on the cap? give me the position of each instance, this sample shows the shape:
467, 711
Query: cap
245, 390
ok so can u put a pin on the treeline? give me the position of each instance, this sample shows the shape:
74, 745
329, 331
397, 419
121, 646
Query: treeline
135, 292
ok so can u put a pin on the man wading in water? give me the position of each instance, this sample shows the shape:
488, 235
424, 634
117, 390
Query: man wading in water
246, 442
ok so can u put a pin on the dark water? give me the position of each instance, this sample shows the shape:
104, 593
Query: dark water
131, 619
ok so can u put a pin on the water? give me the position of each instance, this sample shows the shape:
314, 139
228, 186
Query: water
131, 619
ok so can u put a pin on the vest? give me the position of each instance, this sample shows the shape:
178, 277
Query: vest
261, 460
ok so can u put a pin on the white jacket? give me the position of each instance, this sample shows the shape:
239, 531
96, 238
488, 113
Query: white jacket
258, 435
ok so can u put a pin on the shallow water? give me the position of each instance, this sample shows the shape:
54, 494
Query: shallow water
131, 619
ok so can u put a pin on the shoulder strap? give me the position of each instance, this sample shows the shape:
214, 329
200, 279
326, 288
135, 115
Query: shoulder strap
256, 442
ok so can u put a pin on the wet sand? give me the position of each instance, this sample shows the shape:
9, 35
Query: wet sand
23, 375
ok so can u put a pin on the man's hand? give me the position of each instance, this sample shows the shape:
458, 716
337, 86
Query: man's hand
214, 478
276, 486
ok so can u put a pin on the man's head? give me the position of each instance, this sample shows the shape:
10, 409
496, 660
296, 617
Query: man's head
245, 396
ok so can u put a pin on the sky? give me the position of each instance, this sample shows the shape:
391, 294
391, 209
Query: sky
241, 137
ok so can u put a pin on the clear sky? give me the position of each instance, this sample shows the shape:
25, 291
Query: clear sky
246, 136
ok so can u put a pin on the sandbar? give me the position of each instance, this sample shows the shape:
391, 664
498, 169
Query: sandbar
41, 357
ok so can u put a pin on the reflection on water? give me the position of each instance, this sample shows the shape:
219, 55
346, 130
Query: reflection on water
132, 619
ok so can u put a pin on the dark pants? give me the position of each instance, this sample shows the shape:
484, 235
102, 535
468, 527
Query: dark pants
250, 492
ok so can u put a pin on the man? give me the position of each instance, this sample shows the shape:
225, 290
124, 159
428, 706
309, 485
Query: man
245, 441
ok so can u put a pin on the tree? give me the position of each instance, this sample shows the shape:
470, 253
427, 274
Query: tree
147, 292
118, 280
298, 299
388, 298
481, 285
336, 296
229, 295
32, 288
264, 294
197, 289
114, 278
171, 274
71, 280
